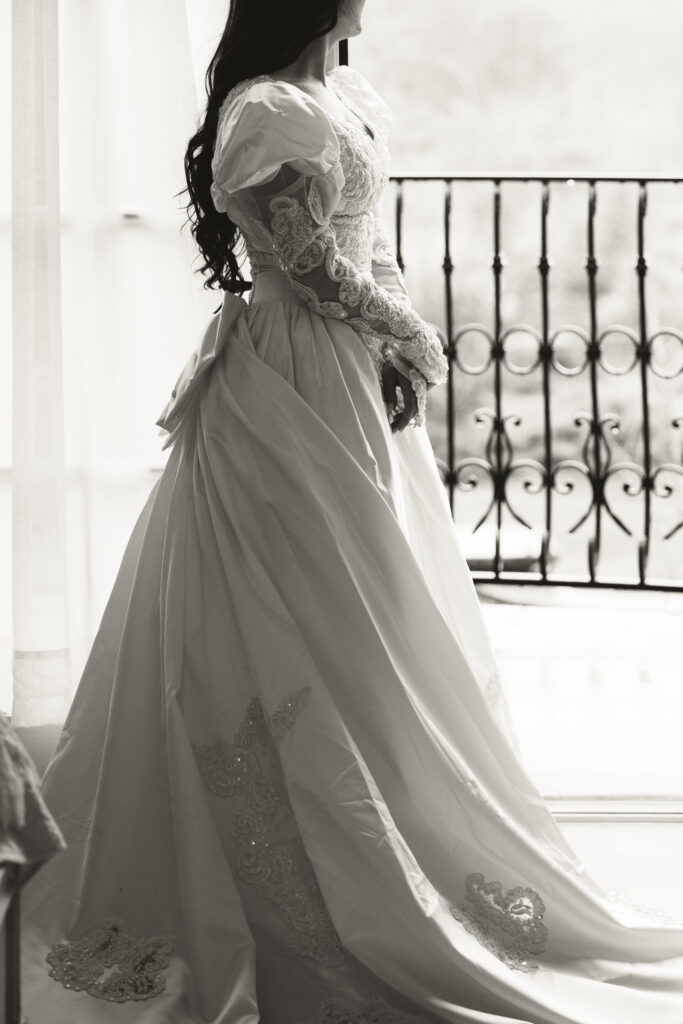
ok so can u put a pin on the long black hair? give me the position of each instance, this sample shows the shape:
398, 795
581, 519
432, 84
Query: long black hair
260, 36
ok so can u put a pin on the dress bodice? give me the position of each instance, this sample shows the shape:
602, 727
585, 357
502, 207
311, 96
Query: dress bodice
364, 160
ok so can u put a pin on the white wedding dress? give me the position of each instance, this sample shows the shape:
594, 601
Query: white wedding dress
288, 781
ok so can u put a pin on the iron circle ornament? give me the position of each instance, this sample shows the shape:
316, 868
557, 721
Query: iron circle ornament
521, 330
657, 368
618, 330
563, 368
474, 370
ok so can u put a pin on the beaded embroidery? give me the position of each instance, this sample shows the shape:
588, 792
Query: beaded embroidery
271, 854
136, 966
509, 924
283, 719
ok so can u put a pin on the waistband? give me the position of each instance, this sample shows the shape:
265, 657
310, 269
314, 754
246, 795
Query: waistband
273, 284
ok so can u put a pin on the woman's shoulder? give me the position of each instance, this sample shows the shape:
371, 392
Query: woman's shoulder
269, 92
357, 89
279, 97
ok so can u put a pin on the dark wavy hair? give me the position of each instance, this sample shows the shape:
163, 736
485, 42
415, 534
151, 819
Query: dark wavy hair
260, 36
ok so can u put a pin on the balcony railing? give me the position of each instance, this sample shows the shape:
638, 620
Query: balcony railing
595, 488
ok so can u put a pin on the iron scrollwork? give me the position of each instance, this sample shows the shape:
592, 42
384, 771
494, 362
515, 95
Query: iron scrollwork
598, 464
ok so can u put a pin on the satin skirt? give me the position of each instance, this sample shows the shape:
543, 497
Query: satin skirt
288, 781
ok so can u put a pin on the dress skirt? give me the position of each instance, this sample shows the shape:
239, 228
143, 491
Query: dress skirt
288, 781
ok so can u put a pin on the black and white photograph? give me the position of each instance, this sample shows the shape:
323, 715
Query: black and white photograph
341, 509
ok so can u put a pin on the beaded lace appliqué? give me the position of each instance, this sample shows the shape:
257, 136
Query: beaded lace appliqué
509, 924
364, 175
283, 719
108, 963
271, 854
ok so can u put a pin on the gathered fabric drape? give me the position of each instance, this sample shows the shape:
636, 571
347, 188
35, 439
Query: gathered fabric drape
103, 307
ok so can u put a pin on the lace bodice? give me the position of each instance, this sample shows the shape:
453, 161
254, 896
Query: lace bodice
305, 189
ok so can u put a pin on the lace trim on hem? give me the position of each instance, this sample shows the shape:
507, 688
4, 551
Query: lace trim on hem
510, 925
136, 966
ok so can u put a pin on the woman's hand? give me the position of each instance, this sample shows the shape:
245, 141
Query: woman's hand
399, 397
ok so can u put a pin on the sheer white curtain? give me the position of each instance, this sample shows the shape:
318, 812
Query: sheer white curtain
38, 477
102, 307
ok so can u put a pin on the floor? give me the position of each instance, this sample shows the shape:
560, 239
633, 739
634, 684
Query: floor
596, 690
619, 855
595, 684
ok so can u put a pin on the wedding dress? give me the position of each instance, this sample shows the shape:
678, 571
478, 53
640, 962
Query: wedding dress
288, 781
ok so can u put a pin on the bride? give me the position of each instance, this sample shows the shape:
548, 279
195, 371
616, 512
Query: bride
288, 780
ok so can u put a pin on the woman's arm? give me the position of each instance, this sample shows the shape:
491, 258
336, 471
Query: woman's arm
292, 207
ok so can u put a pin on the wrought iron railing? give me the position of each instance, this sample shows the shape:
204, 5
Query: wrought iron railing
603, 485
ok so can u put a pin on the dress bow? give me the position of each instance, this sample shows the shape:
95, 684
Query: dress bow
195, 368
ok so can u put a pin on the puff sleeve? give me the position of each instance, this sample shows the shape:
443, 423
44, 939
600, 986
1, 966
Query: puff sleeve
267, 125
278, 151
